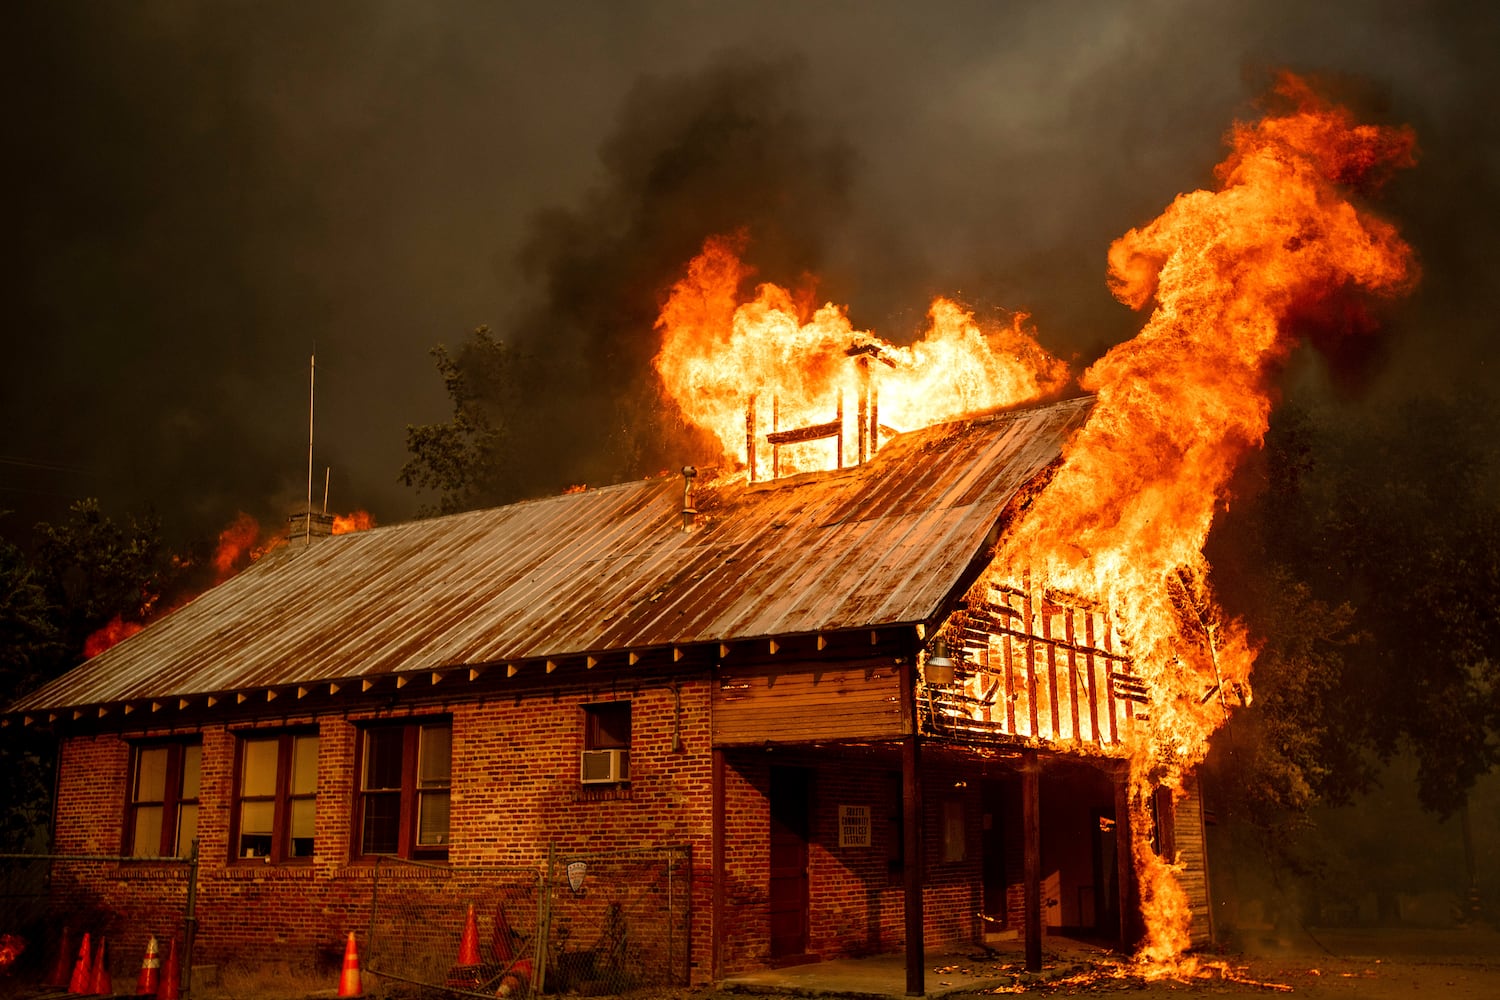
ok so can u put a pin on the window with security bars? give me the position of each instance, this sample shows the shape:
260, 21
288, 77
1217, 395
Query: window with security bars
405, 782
277, 797
162, 816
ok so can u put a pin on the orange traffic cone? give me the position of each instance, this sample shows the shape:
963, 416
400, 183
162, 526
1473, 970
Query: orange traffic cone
468, 945
349, 984
99, 983
58, 977
82, 969
170, 987
150, 978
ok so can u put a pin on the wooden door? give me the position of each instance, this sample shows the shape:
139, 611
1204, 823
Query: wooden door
788, 889
994, 797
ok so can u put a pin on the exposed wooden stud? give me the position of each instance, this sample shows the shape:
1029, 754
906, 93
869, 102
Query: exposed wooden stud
723, 650
366, 683
874, 638
401, 681
823, 639
511, 670
551, 666
590, 662
775, 647
634, 657
677, 654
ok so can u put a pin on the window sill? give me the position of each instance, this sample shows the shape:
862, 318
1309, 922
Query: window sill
603, 793
253, 872
151, 870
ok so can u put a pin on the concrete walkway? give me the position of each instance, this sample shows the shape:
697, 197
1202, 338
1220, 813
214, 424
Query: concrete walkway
946, 972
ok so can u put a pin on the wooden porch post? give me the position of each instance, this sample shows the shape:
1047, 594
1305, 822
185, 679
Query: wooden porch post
1031, 824
1125, 860
716, 851
911, 834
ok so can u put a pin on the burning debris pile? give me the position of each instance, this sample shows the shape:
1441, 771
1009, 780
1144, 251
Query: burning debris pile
1230, 274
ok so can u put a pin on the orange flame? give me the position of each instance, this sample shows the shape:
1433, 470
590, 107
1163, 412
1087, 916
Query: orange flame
108, 634
359, 520
236, 546
11, 946
1124, 519
794, 365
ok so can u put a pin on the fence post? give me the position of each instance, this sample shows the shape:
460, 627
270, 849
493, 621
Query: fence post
374, 909
543, 922
190, 919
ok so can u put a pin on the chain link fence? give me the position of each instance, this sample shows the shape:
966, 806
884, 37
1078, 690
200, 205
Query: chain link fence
599, 923
50, 902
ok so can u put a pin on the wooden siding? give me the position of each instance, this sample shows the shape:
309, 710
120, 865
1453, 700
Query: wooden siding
1191, 853
1033, 665
759, 705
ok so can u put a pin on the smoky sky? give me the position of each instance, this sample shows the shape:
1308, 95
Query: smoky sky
198, 196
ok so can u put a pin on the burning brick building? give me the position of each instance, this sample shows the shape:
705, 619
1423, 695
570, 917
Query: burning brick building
809, 684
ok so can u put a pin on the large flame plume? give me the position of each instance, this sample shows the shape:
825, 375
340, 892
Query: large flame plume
1124, 519
793, 362
1122, 522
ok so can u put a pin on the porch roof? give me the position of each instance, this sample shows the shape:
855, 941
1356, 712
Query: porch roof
599, 572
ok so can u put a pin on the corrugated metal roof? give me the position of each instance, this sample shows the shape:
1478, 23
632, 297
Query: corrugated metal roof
604, 570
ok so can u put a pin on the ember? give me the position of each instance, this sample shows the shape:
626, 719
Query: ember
11, 947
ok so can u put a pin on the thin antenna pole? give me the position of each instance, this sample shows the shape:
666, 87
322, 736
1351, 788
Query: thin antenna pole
327, 473
312, 374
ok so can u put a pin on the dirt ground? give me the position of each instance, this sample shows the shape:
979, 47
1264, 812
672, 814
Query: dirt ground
1377, 964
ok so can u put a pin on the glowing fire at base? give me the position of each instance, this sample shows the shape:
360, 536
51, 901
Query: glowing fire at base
1123, 521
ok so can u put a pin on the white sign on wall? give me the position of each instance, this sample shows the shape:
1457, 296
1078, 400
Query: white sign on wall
854, 826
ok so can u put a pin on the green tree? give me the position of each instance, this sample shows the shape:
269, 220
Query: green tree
29, 649
94, 569
468, 460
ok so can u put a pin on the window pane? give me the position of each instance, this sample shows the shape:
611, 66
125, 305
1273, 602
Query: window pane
187, 829
151, 776
191, 756
304, 765
304, 812
432, 824
258, 769
608, 726
382, 825
383, 759
256, 822
145, 840
433, 758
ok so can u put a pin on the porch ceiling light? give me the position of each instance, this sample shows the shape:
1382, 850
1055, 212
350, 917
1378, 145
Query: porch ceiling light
939, 667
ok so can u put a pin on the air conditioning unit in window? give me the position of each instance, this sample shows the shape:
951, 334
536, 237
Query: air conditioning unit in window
602, 767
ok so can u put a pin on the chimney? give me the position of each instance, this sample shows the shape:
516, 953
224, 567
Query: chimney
308, 524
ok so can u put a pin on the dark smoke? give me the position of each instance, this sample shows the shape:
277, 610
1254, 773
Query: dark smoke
728, 149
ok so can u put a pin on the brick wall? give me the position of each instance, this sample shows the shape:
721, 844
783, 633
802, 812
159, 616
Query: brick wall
515, 789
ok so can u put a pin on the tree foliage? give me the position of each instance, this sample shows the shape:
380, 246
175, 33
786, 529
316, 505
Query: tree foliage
468, 460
